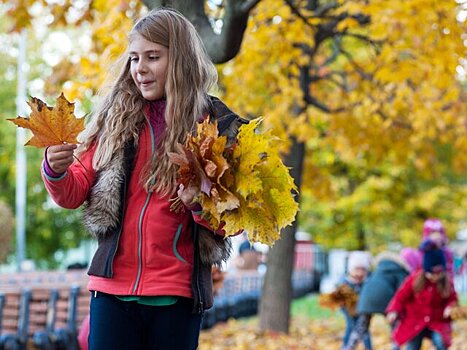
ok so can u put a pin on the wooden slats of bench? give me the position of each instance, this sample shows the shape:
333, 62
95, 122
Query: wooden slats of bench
27, 311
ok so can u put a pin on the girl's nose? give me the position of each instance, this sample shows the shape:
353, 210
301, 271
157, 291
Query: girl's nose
141, 67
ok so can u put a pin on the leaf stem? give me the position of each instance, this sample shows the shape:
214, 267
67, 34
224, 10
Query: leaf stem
80, 162
82, 166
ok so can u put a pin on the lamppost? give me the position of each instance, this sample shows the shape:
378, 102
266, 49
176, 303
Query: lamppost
21, 155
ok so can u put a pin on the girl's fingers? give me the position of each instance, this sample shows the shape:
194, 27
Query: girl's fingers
63, 162
62, 148
60, 151
60, 157
63, 155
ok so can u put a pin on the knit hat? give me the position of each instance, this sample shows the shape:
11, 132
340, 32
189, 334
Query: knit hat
434, 260
434, 225
412, 257
359, 259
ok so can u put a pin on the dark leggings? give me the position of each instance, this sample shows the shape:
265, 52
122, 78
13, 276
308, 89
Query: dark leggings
117, 324
360, 330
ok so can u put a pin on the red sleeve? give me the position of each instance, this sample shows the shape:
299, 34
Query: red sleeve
71, 189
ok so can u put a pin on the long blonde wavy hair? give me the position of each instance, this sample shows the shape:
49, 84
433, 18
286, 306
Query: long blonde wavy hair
120, 116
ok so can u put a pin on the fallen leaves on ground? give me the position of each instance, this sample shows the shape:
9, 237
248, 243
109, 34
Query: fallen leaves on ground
305, 334
51, 125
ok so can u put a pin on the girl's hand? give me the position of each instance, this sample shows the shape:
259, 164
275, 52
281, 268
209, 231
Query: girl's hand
188, 195
391, 317
60, 157
447, 312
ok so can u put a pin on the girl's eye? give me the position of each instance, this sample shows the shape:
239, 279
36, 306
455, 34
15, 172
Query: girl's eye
153, 57
133, 59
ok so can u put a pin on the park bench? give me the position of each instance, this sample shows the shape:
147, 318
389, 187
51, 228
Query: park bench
13, 315
42, 310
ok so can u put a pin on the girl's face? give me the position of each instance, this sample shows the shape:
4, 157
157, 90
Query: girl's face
148, 67
434, 277
437, 238
359, 274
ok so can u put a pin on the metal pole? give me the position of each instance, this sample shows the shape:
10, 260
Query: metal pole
21, 155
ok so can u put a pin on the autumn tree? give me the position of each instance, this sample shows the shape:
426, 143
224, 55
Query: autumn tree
367, 96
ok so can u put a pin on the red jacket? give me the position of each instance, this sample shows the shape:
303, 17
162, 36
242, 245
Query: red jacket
155, 249
419, 311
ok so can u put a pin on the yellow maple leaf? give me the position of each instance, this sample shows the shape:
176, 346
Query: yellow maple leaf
258, 222
248, 153
51, 125
265, 184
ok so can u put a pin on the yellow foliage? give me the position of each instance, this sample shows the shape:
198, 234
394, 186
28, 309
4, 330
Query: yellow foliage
243, 187
257, 160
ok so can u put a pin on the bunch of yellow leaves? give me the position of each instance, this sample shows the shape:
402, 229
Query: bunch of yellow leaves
344, 296
244, 186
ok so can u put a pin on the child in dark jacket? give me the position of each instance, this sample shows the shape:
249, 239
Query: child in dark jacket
391, 270
423, 304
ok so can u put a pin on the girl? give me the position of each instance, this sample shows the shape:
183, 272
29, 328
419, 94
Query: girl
150, 277
390, 271
423, 305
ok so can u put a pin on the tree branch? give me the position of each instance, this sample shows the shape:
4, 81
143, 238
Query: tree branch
329, 77
375, 43
336, 50
311, 100
319, 12
359, 70
297, 12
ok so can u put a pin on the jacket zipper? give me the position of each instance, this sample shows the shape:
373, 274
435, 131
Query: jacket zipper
140, 221
140, 242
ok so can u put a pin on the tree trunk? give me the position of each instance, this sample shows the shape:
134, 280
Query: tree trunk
361, 237
274, 311
222, 46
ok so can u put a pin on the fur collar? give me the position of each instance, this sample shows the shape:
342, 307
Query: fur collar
101, 214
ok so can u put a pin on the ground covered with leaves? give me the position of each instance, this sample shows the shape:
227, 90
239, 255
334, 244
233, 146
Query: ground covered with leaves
323, 331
